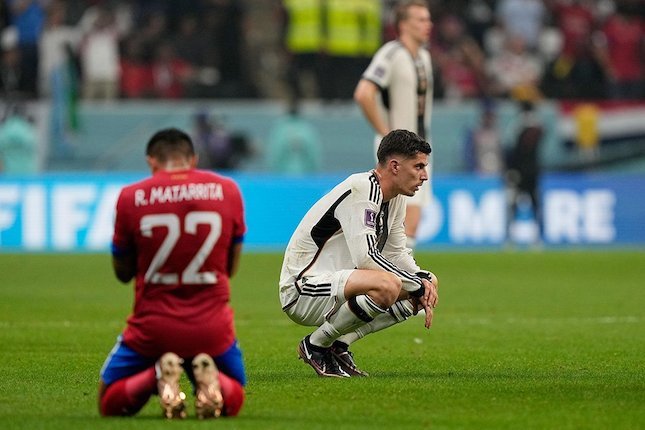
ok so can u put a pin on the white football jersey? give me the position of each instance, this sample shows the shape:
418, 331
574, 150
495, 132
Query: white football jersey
349, 228
406, 86
406, 92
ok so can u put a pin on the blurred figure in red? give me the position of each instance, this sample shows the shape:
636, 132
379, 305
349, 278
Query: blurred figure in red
136, 73
459, 59
171, 74
621, 50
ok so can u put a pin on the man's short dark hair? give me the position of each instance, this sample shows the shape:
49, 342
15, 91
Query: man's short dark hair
170, 142
403, 143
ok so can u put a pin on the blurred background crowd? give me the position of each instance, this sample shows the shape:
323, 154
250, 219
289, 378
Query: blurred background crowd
234, 72
108, 49
522, 89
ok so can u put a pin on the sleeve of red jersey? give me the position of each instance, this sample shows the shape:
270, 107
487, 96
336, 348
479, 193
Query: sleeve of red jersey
122, 239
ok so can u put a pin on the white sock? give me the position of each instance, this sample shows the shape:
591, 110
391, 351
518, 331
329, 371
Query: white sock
352, 314
399, 312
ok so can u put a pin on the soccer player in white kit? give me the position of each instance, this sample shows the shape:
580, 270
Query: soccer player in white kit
395, 91
347, 269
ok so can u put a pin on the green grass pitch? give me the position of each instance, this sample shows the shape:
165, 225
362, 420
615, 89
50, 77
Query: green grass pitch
521, 340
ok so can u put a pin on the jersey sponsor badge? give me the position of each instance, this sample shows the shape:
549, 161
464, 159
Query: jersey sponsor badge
370, 218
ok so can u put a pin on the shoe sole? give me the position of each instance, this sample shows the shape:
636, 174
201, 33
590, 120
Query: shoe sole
171, 398
209, 401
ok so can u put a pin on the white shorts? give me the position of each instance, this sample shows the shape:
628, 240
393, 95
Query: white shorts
320, 296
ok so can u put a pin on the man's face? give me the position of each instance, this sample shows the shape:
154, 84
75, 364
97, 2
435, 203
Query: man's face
418, 24
411, 173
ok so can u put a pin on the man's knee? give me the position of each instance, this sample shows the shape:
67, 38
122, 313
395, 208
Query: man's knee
387, 289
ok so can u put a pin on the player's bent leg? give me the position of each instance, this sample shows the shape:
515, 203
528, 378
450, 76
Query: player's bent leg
231, 363
128, 395
128, 379
382, 287
362, 294
233, 393
398, 312
369, 293
352, 314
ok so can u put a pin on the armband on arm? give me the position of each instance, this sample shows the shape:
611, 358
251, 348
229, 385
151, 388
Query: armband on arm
423, 275
418, 293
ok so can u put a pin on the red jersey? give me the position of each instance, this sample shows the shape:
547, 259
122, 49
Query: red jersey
181, 225
576, 22
136, 79
624, 39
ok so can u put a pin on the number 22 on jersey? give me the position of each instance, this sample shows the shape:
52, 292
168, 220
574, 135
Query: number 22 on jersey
172, 222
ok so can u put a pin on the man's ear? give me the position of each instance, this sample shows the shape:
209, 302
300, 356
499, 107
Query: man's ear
394, 165
153, 163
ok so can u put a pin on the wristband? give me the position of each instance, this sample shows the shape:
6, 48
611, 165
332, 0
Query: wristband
424, 275
418, 293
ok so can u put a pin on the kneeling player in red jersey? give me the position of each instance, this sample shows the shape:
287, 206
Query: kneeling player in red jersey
179, 234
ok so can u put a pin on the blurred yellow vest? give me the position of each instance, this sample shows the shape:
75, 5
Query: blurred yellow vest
305, 28
353, 27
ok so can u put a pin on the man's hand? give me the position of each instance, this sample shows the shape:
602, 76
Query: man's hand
429, 300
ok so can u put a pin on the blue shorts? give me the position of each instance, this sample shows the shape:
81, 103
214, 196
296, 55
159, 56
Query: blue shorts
123, 361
